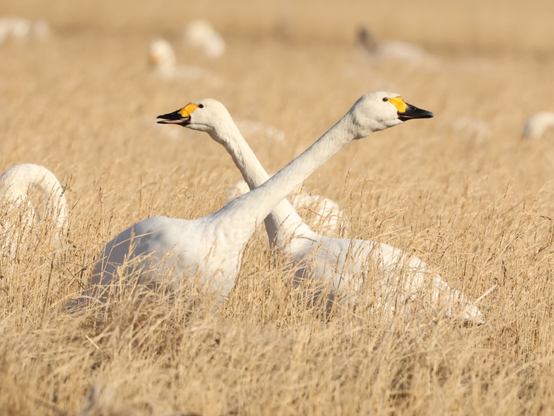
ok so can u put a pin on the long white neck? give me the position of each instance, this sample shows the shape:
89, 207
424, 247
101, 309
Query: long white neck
283, 219
268, 193
16, 182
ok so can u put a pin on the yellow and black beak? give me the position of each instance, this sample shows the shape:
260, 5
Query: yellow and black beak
180, 117
174, 118
412, 112
407, 111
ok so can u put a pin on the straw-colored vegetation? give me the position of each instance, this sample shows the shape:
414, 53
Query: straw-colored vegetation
477, 203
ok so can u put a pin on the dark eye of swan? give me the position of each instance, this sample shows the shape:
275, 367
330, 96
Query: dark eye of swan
385, 99
201, 105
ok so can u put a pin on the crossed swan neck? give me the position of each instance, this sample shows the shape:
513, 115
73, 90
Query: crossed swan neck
267, 193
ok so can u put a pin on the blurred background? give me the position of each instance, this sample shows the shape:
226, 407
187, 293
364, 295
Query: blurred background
473, 25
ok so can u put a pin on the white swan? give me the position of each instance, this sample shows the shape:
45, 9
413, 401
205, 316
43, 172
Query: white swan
162, 58
326, 215
393, 50
537, 125
205, 253
15, 185
201, 34
342, 262
20, 28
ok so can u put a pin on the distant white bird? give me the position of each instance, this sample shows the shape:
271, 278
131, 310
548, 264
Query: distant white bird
162, 58
537, 125
325, 214
201, 34
205, 254
399, 278
15, 186
407, 53
19, 28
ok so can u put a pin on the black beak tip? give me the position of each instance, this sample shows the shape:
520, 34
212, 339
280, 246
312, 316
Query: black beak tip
413, 112
173, 118
176, 115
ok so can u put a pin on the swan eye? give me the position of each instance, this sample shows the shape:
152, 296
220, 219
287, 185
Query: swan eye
385, 99
201, 105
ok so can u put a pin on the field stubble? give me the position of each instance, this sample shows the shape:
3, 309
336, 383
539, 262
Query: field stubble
478, 207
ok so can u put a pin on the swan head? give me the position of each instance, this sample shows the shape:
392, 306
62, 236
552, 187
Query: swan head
161, 55
380, 110
206, 115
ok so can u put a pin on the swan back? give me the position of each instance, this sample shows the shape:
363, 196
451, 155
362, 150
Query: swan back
19, 180
20, 28
408, 53
162, 59
537, 124
201, 34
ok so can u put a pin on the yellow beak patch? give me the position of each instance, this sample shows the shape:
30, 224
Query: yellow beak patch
399, 103
188, 109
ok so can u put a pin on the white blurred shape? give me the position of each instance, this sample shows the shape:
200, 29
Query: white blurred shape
18, 212
201, 34
162, 58
19, 28
393, 50
537, 125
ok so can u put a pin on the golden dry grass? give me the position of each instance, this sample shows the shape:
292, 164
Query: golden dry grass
478, 207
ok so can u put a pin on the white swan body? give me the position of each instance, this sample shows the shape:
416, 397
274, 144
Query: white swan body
206, 252
343, 263
15, 185
162, 58
327, 216
201, 34
20, 28
537, 125
408, 53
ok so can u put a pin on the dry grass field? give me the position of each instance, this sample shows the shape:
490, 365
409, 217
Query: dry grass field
461, 191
